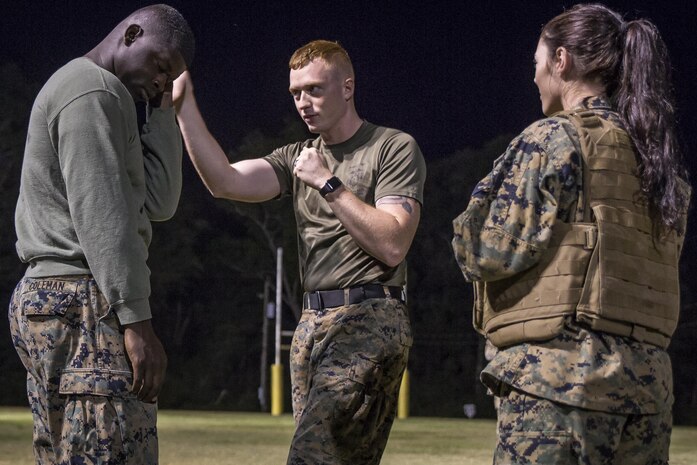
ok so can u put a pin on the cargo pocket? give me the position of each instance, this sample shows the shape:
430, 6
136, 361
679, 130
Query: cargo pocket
96, 382
359, 405
47, 318
364, 376
48, 303
532, 430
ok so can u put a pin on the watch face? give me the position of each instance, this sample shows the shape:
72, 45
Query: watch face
331, 185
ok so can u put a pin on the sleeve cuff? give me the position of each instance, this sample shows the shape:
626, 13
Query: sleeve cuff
132, 311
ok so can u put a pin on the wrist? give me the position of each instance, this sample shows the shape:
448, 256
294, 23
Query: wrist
185, 103
331, 185
139, 326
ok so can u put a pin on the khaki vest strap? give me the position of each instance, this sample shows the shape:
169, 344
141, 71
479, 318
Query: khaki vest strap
652, 307
653, 275
613, 185
586, 118
564, 234
611, 164
550, 297
623, 218
658, 255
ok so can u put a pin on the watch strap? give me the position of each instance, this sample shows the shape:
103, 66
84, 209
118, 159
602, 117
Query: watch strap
330, 186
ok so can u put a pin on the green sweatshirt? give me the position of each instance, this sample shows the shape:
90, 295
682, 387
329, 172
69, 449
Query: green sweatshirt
91, 184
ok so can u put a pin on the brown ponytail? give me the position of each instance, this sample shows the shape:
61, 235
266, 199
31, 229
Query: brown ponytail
631, 60
644, 100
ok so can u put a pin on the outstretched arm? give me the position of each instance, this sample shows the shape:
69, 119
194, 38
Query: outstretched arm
247, 180
385, 231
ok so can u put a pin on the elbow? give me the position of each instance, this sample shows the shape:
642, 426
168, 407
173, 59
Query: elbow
162, 216
218, 191
393, 256
221, 187
162, 212
392, 263
168, 211
394, 250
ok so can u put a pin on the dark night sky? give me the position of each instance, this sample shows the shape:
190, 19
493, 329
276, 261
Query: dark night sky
453, 74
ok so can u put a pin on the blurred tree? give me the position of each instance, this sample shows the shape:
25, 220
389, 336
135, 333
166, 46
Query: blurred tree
447, 350
209, 264
16, 97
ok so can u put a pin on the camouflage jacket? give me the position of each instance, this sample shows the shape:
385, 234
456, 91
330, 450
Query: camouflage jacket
505, 229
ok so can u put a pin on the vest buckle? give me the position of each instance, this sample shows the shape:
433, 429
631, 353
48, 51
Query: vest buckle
591, 238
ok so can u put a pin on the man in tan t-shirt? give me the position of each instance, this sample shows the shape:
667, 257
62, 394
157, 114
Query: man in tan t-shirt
357, 193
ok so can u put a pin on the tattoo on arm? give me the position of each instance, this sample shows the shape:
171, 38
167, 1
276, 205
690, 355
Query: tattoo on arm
397, 199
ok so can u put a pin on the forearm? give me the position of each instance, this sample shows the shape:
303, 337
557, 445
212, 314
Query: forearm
486, 252
508, 222
162, 155
207, 156
108, 229
248, 180
381, 233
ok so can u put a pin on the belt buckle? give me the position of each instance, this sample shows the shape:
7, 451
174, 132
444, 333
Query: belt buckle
347, 296
308, 300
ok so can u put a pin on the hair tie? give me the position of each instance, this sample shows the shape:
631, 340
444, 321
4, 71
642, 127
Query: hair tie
624, 25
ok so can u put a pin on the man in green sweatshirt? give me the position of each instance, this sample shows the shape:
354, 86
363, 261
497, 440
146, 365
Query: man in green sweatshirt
91, 184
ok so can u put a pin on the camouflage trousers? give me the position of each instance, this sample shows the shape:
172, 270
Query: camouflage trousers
78, 376
532, 430
346, 369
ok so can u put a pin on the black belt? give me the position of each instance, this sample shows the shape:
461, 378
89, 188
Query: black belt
353, 295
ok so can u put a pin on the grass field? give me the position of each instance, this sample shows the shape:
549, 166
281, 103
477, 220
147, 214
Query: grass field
221, 438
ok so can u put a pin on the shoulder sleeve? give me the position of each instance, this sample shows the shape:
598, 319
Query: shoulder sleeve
402, 169
91, 136
509, 219
162, 160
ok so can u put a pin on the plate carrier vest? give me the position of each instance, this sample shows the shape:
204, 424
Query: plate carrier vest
608, 272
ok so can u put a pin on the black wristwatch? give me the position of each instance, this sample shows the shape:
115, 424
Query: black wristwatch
330, 186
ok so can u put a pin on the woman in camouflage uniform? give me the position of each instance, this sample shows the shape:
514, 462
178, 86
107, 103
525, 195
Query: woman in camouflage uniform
577, 386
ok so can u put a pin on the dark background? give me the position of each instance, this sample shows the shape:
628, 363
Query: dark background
456, 75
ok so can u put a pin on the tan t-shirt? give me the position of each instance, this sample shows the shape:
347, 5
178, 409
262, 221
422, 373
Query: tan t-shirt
375, 162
